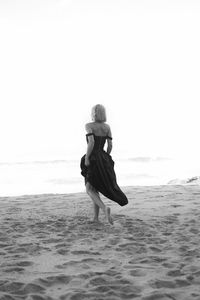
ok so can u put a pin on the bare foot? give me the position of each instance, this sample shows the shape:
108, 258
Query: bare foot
95, 220
108, 216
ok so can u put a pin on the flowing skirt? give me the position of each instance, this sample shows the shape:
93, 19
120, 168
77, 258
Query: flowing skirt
101, 175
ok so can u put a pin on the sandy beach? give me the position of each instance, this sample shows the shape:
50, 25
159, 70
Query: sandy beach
50, 249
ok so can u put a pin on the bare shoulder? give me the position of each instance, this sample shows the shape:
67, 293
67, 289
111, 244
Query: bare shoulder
88, 127
108, 130
107, 125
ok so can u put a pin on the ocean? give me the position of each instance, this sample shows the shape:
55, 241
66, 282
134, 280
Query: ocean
63, 176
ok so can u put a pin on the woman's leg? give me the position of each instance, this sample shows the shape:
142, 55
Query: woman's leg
98, 202
96, 212
95, 196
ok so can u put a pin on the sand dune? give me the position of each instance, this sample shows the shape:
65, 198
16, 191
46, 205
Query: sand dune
49, 248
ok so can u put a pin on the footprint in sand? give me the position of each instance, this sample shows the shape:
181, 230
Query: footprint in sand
114, 241
152, 259
13, 269
80, 263
159, 284
174, 273
17, 289
62, 251
169, 265
11, 287
63, 248
63, 245
142, 250
128, 248
83, 295
24, 263
137, 273
98, 281
112, 272
54, 280
52, 241
3, 245
159, 296
194, 230
167, 233
33, 288
68, 264
182, 282
16, 250
38, 297
81, 252
112, 286
155, 249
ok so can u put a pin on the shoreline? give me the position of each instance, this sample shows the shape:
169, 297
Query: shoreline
50, 249
124, 188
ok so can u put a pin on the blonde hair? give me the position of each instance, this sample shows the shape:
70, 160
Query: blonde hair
99, 113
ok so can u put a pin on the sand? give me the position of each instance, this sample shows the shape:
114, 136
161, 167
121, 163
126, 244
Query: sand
49, 248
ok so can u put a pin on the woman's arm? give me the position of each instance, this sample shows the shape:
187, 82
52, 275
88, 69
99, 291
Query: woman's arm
109, 148
90, 145
109, 141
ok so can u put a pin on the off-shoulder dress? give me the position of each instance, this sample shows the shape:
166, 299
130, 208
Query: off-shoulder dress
100, 173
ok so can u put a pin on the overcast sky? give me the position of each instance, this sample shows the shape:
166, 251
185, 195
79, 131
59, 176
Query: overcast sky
138, 58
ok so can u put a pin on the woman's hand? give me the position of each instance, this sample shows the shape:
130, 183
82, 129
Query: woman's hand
87, 162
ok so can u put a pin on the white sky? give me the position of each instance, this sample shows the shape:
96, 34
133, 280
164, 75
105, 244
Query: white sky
59, 58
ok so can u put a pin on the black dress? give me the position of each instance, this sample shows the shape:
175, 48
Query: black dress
100, 172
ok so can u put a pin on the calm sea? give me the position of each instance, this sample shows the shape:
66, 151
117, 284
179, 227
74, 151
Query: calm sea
63, 176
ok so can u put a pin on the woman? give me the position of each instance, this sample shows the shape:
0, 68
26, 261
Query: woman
97, 165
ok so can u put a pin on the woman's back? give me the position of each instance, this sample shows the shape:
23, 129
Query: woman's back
96, 165
99, 129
